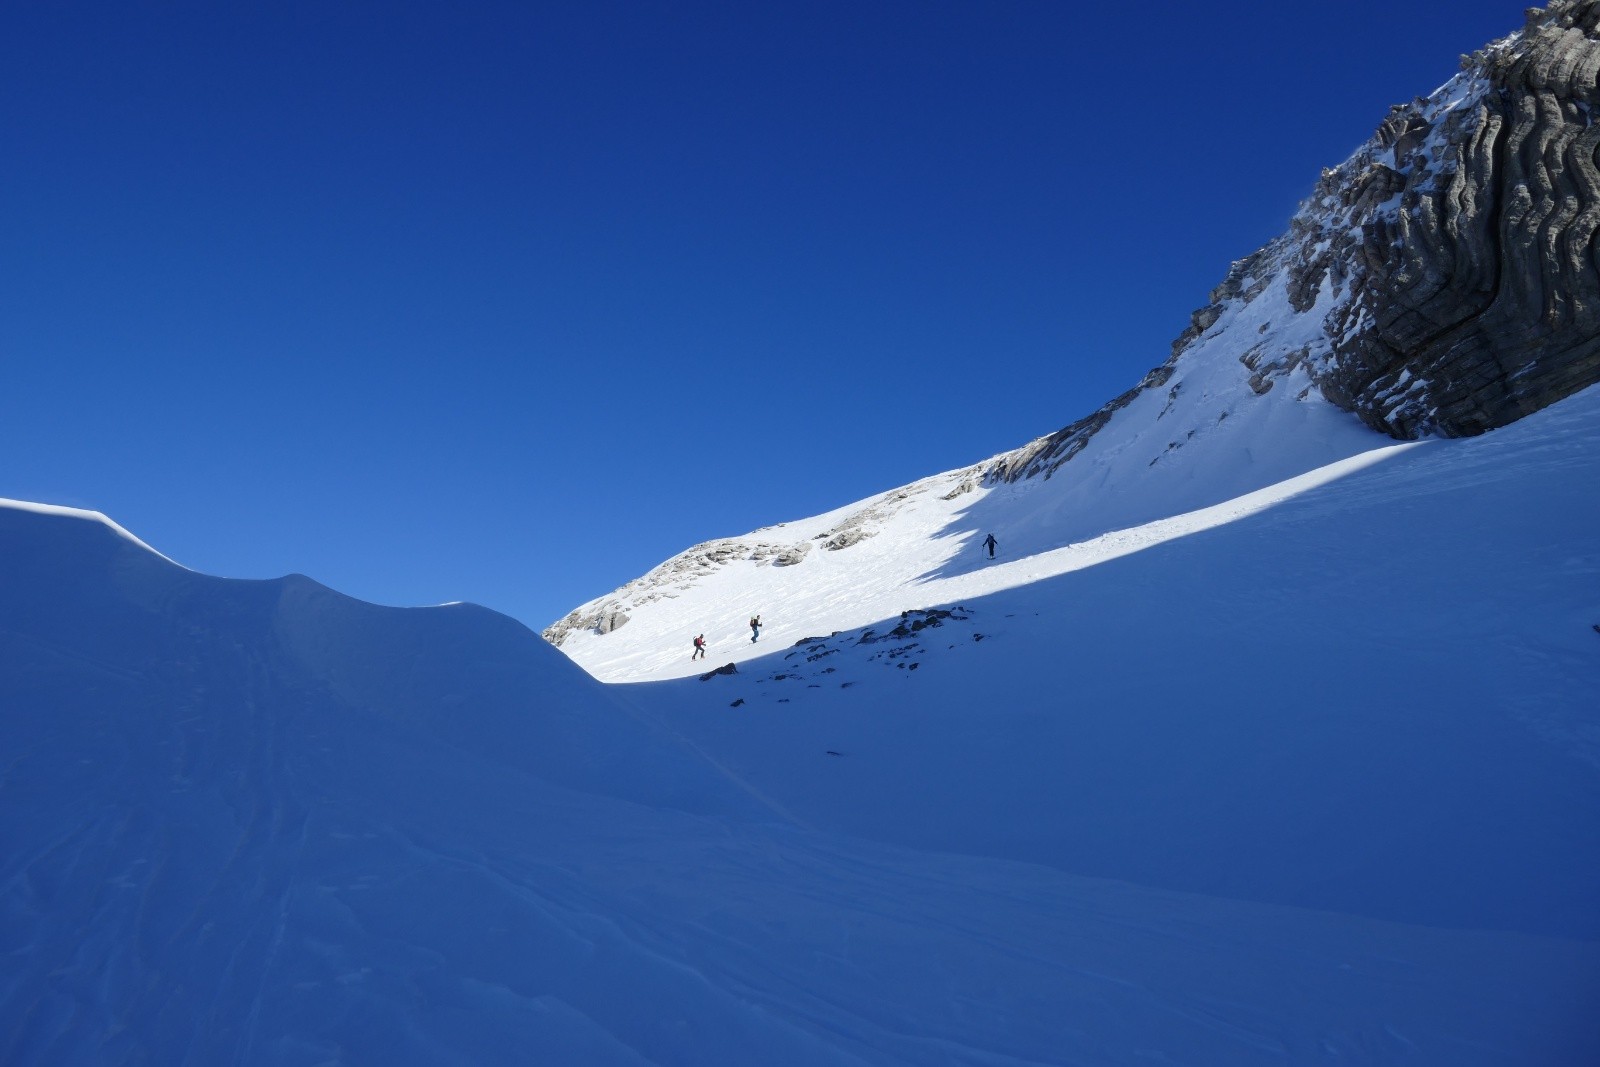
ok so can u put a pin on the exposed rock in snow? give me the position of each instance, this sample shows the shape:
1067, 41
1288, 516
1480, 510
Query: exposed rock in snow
1442, 280
605, 616
1454, 254
1454, 251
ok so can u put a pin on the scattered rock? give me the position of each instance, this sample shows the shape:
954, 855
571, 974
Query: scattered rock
846, 539
601, 619
913, 621
971, 478
792, 556
726, 668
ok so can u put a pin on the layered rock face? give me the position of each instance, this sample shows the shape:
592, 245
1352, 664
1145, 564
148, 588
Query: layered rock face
1482, 288
1451, 262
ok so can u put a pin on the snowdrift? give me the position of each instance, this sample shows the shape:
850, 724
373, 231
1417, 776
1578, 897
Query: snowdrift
96, 613
1196, 800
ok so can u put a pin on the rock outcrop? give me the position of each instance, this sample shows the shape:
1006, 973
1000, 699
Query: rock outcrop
1452, 260
835, 533
1477, 301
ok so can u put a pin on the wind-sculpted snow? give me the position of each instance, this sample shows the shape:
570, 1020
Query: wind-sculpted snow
257, 822
1262, 739
459, 675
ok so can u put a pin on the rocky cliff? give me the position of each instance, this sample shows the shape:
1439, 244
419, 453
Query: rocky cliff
1468, 242
1450, 262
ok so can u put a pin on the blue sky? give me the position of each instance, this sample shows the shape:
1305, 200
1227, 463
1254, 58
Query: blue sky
508, 303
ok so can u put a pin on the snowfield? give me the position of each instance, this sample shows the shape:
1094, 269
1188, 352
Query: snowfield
1308, 776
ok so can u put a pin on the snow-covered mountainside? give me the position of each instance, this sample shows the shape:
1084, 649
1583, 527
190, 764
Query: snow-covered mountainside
1442, 280
1317, 784
1375, 694
1265, 737
1450, 263
1197, 435
1168, 462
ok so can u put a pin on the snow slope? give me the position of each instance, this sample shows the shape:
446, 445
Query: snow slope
1198, 435
924, 546
257, 822
1371, 691
1236, 418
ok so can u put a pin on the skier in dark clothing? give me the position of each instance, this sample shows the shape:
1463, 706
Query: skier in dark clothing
755, 628
699, 647
989, 543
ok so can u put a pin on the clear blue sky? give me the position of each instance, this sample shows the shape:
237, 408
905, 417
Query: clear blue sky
510, 302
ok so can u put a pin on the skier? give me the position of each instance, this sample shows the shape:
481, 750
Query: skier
989, 543
699, 647
755, 628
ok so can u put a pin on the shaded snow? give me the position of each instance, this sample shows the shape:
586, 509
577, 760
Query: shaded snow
1264, 740
1370, 690
1313, 778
